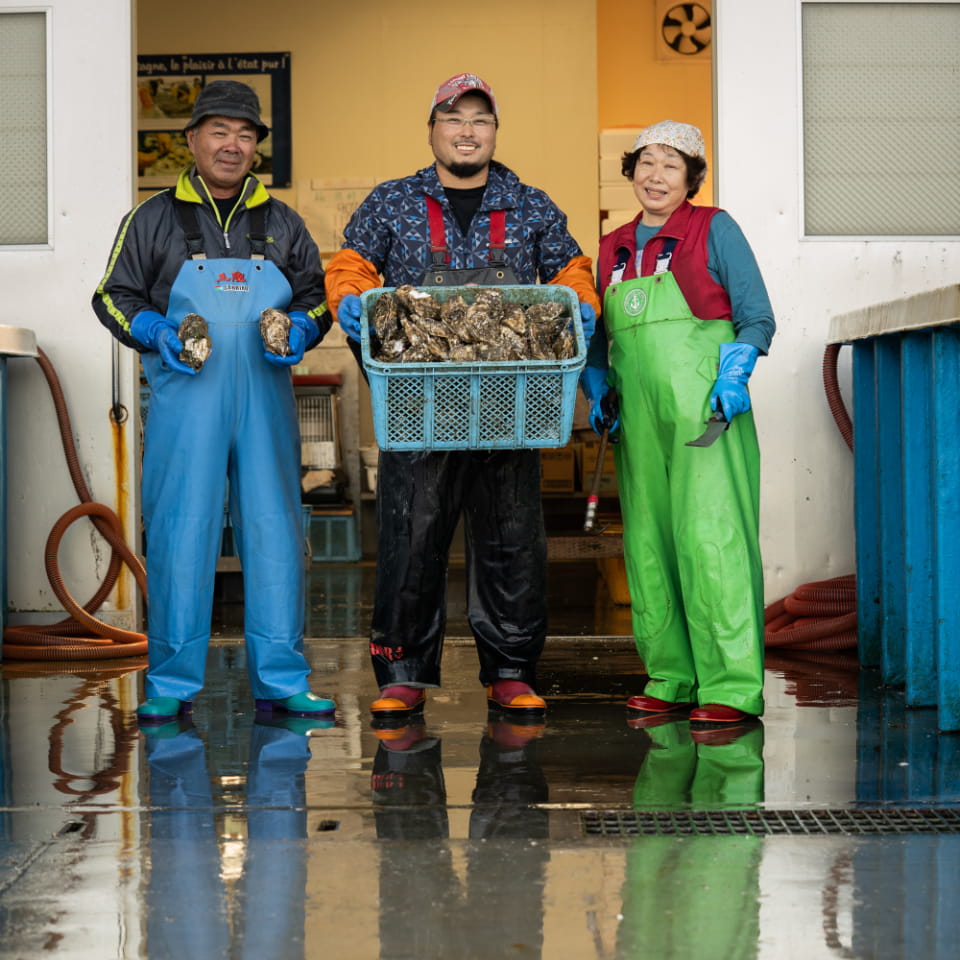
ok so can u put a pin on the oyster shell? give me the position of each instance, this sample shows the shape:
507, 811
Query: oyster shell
453, 310
195, 337
418, 303
275, 331
543, 312
392, 350
491, 300
565, 346
540, 338
480, 324
386, 316
514, 346
417, 353
515, 319
463, 352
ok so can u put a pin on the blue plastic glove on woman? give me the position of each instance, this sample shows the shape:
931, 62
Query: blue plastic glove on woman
604, 412
730, 390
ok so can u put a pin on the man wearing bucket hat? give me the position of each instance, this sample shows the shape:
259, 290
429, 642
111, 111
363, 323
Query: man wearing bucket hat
469, 220
685, 316
219, 246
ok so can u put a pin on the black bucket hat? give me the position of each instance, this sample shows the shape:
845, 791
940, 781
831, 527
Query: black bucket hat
228, 98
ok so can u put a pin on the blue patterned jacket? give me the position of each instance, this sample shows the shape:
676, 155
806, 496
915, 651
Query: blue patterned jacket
390, 229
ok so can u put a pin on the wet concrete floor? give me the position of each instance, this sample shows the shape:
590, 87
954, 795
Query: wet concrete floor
823, 831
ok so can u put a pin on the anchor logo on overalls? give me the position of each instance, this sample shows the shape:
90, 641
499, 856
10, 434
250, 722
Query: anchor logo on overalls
635, 302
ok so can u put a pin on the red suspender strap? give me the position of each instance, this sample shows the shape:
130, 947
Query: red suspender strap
498, 233
438, 235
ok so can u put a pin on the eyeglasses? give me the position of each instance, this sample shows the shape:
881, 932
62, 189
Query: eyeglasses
458, 123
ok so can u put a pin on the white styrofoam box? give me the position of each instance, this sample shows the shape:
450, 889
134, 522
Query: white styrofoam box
617, 140
610, 168
616, 218
617, 196
318, 454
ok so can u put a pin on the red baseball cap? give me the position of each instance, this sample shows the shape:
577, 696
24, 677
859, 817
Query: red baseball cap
450, 91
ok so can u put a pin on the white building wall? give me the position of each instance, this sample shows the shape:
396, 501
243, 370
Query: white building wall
48, 289
806, 513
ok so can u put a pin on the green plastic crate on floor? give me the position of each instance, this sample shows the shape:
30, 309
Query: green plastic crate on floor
333, 537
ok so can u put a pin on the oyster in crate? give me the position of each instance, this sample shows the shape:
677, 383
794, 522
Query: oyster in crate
195, 337
417, 303
392, 350
386, 316
514, 319
543, 312
565, 346
275, 331
482, 325
453, 309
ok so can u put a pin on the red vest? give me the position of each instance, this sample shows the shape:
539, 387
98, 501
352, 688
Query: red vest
690, 226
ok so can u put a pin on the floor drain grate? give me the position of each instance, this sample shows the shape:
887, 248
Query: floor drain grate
766, 823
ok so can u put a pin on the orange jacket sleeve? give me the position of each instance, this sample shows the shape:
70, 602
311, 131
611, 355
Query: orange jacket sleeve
348, 272
577, 274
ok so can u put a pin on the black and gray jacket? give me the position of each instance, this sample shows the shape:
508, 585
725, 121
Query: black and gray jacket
151, 246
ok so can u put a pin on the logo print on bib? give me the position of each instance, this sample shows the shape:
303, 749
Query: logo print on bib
635, 302
234, 282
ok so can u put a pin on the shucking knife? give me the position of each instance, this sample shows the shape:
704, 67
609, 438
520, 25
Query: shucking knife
715, 426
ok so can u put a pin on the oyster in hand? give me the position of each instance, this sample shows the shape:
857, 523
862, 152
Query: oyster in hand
195, 337
275, 331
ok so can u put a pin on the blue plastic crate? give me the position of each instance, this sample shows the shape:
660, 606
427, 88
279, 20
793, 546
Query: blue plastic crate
333, 538
482, 405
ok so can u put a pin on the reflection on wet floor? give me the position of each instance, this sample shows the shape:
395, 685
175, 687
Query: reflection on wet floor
467, 836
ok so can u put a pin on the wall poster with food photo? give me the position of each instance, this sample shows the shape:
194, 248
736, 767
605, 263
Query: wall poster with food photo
168, 85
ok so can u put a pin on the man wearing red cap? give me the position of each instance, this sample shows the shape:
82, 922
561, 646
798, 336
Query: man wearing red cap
469, 218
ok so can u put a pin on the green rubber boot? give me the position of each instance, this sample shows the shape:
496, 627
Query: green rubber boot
304, 704
162, 709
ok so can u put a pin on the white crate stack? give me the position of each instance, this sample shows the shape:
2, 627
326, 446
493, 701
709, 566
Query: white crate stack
618, 203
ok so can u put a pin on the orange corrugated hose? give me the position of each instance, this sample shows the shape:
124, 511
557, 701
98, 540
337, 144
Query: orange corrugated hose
821, 615
68, 639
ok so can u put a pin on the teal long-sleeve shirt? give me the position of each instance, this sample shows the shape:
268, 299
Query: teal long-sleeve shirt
731, 263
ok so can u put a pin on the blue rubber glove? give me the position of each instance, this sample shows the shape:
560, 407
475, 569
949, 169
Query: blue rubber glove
604, 409
348, 314
156, 332
588, 317
302, 330
730, 390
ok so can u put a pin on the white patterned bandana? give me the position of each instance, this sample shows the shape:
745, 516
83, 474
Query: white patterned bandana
681, 136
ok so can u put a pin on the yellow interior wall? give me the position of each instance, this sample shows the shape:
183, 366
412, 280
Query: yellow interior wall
636, 88
363, 74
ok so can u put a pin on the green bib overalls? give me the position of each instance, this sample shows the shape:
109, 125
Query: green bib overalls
690, 514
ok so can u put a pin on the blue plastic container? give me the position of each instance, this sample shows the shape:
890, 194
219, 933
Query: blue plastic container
482, 405
333, 538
